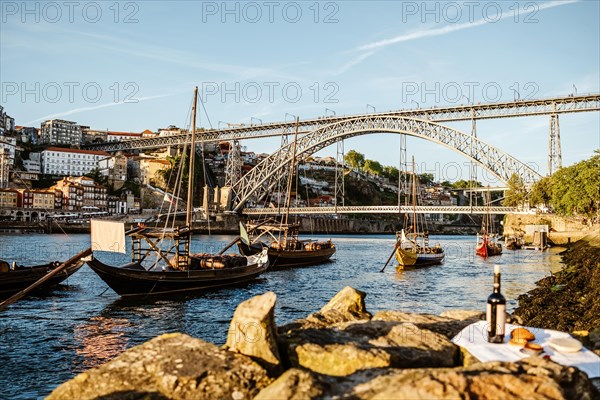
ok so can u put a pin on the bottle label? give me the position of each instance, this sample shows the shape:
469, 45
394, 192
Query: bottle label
496, 316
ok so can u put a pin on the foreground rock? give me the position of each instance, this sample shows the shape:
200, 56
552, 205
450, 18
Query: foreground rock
171, 366
252, 331
534, 378
341, 339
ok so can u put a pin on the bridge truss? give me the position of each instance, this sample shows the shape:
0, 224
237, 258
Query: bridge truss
382, 210
259, 181
521, 108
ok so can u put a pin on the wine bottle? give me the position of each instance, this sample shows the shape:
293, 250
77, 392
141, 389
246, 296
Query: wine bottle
496, 311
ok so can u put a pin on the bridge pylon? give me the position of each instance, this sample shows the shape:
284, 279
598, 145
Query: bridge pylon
339, 174
554, 148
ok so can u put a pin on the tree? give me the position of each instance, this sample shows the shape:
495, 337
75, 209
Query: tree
516, 193
576, 189
462, 184
355, 159
426, 178
372, 167
541, 192
392, 173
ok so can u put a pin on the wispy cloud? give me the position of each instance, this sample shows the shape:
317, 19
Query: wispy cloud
367, 50
449, 28
96, 107
357, 60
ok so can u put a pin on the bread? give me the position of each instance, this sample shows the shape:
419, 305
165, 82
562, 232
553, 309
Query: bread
518, 341
522, 333
532, 349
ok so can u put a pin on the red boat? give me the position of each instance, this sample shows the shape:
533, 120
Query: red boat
487, 246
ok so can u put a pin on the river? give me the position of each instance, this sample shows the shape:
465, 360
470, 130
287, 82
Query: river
82, 323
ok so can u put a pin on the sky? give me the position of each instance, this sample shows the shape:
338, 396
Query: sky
132, 65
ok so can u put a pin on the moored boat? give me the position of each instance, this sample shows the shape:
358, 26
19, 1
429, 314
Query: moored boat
486, 242
14, 278
412, 249
161, 261
284, 248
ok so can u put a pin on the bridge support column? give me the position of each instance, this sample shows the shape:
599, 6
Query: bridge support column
233, 168
554, 149
339, 174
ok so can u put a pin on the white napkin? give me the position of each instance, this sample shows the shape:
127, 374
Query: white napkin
474, 339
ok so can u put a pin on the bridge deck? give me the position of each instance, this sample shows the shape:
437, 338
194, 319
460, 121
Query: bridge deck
382, 210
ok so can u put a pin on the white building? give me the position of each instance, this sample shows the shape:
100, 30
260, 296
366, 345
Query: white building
34, 163
112, 136
58, 131
9, 144
70, 162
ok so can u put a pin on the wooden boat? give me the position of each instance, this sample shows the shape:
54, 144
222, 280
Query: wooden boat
281, 238
173, 268
412, 249
284, 248
487, 245
15, 278
514, 242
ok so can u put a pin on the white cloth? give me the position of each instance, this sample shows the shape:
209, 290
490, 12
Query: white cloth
108, 236
474, 339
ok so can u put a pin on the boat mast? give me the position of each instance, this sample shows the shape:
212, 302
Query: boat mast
414, 196
190, 194
289, 194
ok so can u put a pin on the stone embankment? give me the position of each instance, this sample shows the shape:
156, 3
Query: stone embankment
342, 351
570, 299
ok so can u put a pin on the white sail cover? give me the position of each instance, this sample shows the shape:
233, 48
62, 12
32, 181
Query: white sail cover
108, 236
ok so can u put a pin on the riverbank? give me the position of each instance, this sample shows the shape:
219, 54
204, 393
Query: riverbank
341, 351
569, 299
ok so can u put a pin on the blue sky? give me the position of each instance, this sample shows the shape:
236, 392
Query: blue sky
131, 66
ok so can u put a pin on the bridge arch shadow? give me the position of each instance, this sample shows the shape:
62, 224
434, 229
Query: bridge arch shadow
262, 178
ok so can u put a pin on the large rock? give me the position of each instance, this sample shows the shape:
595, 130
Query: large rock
173, 366
345, 348
347, 305
252, 331
295, 384
534, 378
446, 326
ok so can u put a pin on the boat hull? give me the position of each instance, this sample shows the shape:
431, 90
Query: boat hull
290, 258
412, 259
13, 281
485, 248
132, 279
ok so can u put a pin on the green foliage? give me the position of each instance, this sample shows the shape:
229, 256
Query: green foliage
426, 178
462, 184
516, 195
392, 173
355, 159
576, 189
97, 177
373, 167
541, 192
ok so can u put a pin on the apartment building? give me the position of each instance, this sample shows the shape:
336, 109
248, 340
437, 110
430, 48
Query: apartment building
58, 131
70, 162
9, 198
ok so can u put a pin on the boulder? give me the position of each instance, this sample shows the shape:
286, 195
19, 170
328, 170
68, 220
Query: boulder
252, 331
347, 305
446, 326
345, 348
464, 314
294, 384
173, 366
533, 378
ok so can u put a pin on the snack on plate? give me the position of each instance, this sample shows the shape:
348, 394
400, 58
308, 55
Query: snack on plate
565, 345
522, 333
532, 349
518, 341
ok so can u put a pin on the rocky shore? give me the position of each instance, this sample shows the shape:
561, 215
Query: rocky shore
342, 351
570, 299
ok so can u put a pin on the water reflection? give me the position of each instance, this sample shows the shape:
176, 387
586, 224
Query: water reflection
100, 339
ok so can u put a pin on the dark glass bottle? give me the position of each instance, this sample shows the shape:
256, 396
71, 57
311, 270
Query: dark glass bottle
496, 311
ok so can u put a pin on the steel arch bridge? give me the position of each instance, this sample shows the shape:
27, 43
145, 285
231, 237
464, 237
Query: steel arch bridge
262, 178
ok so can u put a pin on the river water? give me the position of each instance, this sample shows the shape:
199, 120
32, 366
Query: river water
82, 323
